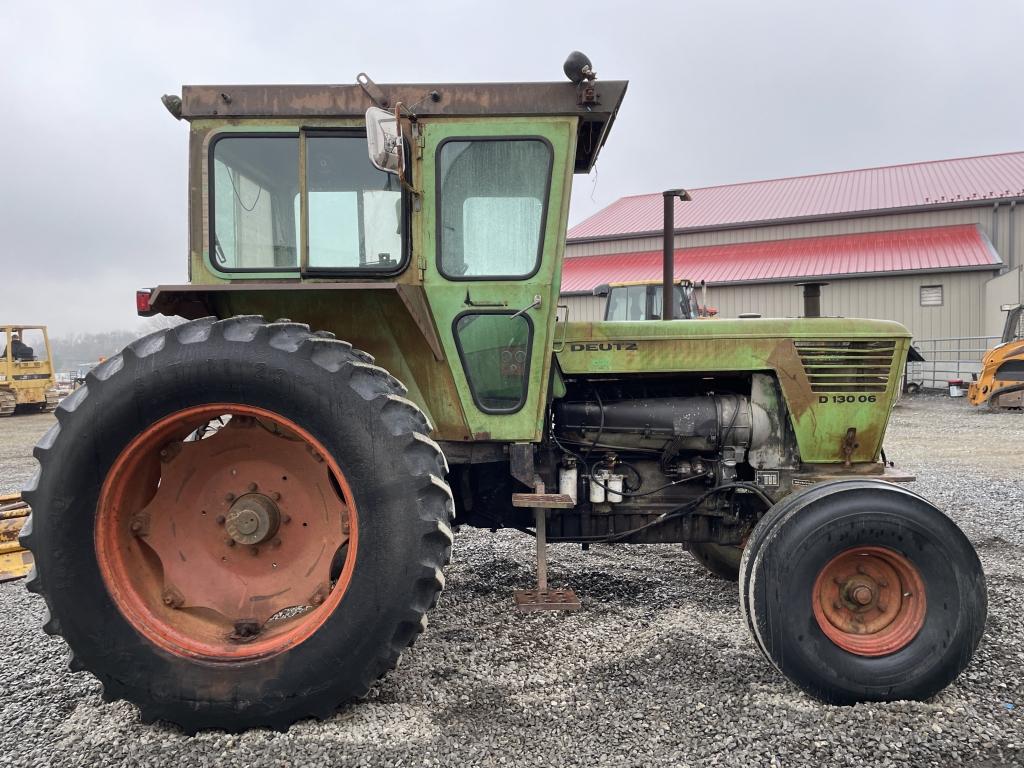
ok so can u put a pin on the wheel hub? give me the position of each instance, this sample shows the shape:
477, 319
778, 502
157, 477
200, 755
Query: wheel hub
226, 544
252, 519
860, 594
869, 601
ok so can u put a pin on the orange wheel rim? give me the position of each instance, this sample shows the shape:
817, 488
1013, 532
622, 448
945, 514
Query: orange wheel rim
870, 601
226, 532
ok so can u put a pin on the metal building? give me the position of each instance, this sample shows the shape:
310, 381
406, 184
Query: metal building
937, 246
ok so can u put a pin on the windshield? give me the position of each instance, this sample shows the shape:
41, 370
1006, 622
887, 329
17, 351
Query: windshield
355, 212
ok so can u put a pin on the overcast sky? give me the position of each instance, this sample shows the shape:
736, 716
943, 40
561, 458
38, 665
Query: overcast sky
93, 169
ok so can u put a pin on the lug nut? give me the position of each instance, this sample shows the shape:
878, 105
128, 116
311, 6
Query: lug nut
229, 542
253, 487
229, 497
136, 526
220, 519
254, 551
286, 519
276, 496
276, 543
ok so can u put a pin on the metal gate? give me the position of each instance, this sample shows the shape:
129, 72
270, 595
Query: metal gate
956, 357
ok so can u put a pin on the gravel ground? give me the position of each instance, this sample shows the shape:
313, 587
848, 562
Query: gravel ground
657, 669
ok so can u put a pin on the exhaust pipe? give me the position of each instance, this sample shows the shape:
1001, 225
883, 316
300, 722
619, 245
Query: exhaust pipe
812, 298
668, 251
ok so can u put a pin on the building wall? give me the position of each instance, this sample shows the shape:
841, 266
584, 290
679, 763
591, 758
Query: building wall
1001, 290
966, 309
887, 298
995, 225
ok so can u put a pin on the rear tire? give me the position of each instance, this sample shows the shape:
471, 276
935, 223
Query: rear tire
356, 411
909, 639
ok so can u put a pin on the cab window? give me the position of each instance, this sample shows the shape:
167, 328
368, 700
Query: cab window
492, 202
355, 210
627, 303
356, 218
254, 182
495, 352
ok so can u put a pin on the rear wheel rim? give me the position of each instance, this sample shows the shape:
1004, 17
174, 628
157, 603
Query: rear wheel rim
869, 601
226, 532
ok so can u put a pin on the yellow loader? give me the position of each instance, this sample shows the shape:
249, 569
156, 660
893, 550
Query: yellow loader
1001, 381
27, 380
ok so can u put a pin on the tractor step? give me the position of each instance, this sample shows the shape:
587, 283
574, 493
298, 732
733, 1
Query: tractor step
542, 598
551, 600
543, 500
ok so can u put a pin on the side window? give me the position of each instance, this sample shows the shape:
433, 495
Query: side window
355, 210
683, 309
492, 201
495, 352
627, 302
254, 182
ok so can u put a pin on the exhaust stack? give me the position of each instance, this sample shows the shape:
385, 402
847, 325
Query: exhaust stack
812, 298
668, 251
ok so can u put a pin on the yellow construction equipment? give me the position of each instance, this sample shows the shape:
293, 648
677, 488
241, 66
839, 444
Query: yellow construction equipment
1001, 381
15, 561
27, 381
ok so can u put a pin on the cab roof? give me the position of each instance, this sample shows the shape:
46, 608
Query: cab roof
676, 281
596, 110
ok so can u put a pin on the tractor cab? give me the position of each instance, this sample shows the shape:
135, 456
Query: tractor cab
425, 224
642, 300
1013, 330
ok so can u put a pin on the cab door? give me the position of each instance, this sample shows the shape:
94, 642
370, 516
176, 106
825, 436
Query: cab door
495, 205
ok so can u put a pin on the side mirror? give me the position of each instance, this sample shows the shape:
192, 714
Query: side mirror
384, 141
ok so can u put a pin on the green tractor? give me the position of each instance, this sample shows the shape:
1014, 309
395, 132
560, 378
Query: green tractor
242, 522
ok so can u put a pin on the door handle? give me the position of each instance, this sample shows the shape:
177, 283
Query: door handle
536, 303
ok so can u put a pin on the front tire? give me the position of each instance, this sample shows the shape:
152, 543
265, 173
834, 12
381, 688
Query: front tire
304, 406
859, 590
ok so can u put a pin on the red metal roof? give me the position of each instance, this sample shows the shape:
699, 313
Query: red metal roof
904, 250
938, 183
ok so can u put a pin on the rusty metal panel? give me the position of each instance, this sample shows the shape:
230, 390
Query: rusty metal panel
312, 102
425, 99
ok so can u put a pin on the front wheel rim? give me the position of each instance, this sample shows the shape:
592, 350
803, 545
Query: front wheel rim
869, 601
226, 532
